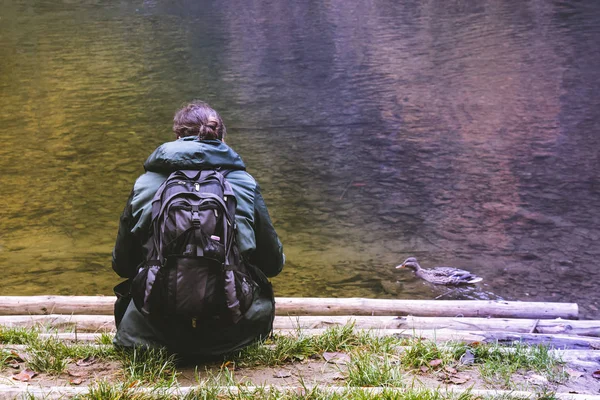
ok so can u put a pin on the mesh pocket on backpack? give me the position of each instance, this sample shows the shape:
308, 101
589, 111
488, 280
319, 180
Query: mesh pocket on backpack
245, 289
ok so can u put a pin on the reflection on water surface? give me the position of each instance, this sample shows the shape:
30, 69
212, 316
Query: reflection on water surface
463, 133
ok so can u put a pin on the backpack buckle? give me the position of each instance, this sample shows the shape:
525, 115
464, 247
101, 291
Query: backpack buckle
196, 216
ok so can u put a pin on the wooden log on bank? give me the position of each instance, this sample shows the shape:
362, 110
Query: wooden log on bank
44, 305
105, 323
451, 335
508, 338
587, 345
60, 322
103, 305
425, 308
81, 324
548, 326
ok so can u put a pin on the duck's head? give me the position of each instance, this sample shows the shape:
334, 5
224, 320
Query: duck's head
411, 263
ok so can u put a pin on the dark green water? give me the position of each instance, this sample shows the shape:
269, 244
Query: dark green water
464, 133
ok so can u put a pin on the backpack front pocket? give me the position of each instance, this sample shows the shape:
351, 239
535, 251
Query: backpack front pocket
192, 287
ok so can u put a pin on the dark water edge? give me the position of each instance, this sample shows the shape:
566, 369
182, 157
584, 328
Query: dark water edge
462, 133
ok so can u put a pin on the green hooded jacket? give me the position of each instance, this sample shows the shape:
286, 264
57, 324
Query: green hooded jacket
257, 241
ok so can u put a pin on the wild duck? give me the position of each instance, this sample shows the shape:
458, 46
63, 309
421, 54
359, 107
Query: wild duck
440, 275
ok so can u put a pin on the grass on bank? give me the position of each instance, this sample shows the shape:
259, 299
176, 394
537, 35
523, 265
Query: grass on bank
282, 349
155, 367
18, 335
367, 369
52, 356
377, 361
496, 363
106, 391
499, 363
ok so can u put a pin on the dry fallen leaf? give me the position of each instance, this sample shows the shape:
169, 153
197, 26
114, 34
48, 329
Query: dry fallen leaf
450, 370
424, 369
76, 381
339, 377
75, 374
458, 379
436, 362
86, 362
336, 357
596, 374
17, 356
134, 384
537, 379
573, 373
25, 375
282, 374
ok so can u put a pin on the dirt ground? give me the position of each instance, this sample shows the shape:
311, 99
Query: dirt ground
583, 376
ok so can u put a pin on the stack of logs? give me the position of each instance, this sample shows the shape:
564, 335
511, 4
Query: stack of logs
553, 324
84, 318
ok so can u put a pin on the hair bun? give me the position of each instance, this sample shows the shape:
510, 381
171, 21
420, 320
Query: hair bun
199, 119
208, 131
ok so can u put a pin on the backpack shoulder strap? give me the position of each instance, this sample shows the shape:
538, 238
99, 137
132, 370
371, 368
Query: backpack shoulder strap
228, 191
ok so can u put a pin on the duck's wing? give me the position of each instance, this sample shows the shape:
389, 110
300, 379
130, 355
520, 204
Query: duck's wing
455, 275
449, 272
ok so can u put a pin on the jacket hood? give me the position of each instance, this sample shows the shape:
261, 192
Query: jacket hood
192, 153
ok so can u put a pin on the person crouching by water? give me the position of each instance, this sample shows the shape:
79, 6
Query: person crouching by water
220, 293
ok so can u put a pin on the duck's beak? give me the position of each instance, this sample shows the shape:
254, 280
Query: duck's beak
400, 266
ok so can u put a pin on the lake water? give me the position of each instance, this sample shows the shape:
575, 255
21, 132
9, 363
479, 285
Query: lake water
464, 133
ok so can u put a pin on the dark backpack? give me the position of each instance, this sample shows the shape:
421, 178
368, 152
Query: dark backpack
193, 269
